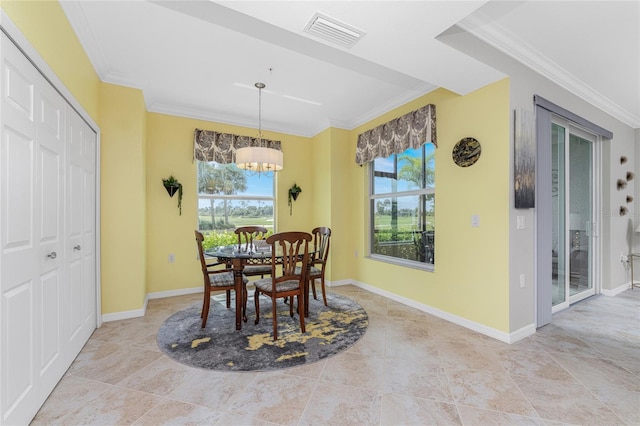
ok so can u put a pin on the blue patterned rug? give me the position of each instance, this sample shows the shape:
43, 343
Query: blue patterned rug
219, 346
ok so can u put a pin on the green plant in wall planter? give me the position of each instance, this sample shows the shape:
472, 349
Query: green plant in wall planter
294, 191
172, 186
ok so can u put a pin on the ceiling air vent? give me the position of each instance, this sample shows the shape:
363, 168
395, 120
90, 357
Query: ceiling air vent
334, 31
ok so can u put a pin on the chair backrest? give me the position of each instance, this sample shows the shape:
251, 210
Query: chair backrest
321, 240
203, 263
292, 248
247, 235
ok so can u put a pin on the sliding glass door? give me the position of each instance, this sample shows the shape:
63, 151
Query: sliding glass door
572, 169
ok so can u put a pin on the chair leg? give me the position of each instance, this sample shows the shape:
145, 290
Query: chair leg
275, 317
256, 299
301, 312
324, 293
313, 287
205, 308
245, 297
228, 299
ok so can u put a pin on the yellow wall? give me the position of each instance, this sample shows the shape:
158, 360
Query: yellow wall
139, 149
45, 25
123, 200
170, 151
471, 272
342, 201
320, 192
330, 153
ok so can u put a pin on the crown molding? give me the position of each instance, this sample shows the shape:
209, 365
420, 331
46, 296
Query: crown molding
505, 41
304, 131
80, 24
202, 114
394, 103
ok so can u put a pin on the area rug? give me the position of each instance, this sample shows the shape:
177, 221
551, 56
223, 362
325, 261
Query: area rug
219, 346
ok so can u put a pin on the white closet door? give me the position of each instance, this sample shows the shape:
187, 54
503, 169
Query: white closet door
38, 290
80, 230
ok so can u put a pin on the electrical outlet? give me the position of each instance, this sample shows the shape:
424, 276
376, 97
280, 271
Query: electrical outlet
172, 258
522, 281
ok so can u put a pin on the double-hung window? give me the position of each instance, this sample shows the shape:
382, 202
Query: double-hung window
402, 207
229, 197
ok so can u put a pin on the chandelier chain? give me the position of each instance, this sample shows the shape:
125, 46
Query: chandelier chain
260, 86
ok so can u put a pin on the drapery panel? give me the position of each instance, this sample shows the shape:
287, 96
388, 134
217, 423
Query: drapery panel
411, 130
209, 145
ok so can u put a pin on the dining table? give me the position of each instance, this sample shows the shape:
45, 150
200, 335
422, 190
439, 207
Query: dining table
256, 254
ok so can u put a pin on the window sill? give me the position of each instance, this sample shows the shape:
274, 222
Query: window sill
428, 267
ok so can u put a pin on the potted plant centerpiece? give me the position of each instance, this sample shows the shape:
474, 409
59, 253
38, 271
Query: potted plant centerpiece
172, 186
294, 191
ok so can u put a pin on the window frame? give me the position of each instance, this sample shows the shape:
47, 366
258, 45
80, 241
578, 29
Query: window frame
371, 199
236, 197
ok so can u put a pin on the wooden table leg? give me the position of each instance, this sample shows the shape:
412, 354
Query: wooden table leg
306, 290
237, 276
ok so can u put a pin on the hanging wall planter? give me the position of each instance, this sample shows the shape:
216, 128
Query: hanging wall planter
172, 186
294, 191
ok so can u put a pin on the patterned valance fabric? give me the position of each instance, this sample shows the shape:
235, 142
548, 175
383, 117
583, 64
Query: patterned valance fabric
412, 130
221, 147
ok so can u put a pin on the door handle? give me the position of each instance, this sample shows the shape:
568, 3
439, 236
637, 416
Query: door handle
52, 255
77, 248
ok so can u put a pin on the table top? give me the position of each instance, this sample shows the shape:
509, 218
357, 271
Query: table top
256, 252
234, 252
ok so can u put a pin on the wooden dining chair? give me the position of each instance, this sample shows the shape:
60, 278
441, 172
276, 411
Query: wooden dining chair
218, 280
249, 237
321, 242
288, 250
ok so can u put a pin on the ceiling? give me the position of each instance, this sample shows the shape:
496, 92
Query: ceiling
200, 59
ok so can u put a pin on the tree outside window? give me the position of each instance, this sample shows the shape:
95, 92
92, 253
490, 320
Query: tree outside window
229, 197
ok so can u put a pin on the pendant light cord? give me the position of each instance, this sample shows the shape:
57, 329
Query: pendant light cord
260, 86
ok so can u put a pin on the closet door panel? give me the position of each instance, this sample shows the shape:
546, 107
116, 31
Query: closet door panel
80, 229
18, 375
49, 191
20, 256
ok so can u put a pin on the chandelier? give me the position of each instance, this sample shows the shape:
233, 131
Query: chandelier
259, 158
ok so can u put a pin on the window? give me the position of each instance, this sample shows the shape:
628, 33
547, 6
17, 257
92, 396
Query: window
229, 197
402, 206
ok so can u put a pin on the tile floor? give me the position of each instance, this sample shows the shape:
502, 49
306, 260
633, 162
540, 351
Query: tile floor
409, 369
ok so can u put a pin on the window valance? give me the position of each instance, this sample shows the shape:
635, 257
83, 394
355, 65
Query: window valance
411, 130
209, 145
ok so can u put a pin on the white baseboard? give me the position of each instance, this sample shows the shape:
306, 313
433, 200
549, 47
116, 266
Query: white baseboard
337, 283
171, 293
116, 316
512, 337
617, 290
480, 328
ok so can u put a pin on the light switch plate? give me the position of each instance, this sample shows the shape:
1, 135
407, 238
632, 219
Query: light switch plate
475, 220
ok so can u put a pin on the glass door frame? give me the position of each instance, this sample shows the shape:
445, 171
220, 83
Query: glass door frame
544, 110
592, 226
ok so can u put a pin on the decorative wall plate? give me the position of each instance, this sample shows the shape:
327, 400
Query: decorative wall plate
466, 152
